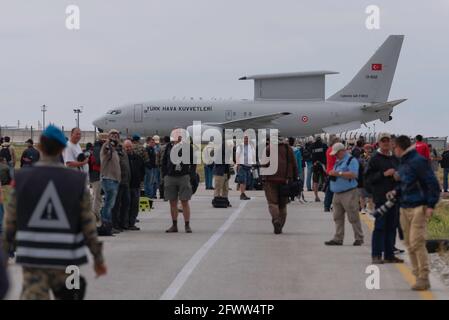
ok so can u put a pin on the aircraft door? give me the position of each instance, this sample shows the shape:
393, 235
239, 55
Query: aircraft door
228, 115
138, 112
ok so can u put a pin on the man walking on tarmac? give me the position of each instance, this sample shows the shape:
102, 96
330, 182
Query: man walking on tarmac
49, 218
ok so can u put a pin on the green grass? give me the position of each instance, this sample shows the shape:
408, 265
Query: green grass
438, 227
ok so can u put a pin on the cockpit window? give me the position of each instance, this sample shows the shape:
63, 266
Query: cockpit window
114, 112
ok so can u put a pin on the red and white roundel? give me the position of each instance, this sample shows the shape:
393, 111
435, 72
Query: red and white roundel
305, 119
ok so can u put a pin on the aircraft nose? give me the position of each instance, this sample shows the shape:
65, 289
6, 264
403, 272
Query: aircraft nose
99, 123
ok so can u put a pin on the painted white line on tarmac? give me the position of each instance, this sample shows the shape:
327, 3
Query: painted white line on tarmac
171, 292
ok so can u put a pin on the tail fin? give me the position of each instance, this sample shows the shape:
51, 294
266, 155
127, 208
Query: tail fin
373, 82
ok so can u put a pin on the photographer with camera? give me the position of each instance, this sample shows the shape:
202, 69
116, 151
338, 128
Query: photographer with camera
110, 178
379, 180
343, 183
74, 157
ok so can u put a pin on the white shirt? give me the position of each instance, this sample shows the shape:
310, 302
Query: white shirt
71, 153
246, 155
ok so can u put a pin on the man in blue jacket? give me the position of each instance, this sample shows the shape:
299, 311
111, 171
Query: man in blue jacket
418, 192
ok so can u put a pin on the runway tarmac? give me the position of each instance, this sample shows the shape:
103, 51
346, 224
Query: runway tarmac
233, 254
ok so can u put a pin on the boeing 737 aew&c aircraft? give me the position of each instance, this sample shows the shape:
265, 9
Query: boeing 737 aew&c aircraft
298, 99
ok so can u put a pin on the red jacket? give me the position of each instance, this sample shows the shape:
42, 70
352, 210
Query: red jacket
330, 160
423, 149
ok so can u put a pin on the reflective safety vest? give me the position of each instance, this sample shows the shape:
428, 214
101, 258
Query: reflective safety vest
49, 230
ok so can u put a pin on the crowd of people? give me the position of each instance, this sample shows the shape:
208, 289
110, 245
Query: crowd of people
394, 180
99, 188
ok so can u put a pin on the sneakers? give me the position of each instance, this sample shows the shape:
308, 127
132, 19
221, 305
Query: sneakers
243, 196
333, 243
173, 229
421, 285
377, 260
188, 229
357, 243
393, 260
398, 251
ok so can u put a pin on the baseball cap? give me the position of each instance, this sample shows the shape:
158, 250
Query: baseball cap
383, 135
54, 133
336, 148
113, 131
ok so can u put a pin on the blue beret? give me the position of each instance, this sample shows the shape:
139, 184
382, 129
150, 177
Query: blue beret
136, 137
54, 133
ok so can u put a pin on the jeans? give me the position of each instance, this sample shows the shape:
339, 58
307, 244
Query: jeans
208, 176
110, 189
120, 212
384, 234
151, 182
445, 176
328, 198
309, 175
11, 170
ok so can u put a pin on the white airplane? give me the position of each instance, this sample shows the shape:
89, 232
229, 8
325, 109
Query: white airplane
293, 103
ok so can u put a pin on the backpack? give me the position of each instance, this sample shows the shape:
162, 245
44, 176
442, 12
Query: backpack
361, 170
307, 154
5, 153
5, 178
445, 160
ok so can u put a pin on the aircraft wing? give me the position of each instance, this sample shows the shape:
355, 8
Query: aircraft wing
339, 128
264, 121
382, 106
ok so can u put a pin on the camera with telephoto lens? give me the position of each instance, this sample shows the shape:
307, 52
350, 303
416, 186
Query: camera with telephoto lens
383, 209
83, 156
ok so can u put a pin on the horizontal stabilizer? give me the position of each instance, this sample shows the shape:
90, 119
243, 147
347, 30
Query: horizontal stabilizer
382, 106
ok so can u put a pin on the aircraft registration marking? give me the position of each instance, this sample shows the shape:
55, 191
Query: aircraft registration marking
178, 108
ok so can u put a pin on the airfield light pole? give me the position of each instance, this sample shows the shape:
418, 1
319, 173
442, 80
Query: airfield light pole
43, 109
77, 112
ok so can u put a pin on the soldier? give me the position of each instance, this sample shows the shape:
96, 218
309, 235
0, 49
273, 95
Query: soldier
49, 218
139, 149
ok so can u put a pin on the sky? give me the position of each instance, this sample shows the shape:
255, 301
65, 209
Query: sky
142, 50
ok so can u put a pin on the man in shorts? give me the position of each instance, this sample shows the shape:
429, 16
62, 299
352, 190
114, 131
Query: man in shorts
177, 185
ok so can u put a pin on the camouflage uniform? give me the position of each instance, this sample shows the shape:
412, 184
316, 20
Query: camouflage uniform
140, 151
37, 282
